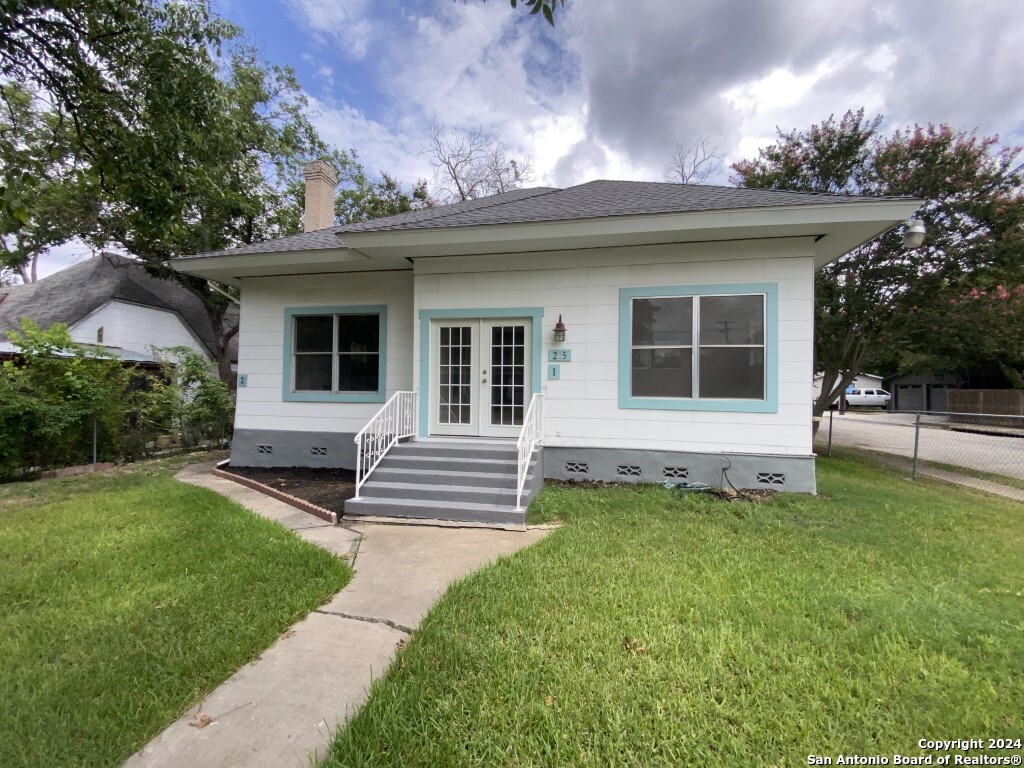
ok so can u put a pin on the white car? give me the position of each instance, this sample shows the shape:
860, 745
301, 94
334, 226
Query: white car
878, 398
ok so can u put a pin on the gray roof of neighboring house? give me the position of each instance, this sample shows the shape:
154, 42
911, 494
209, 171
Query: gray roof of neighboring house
595, 199
71, 294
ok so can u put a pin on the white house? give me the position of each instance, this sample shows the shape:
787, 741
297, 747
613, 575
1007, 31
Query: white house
111, 301
686, 351
860, 381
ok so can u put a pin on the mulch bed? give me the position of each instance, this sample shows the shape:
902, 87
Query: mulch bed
324, 487
329, 488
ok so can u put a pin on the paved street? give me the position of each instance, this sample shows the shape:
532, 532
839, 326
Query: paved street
894, 433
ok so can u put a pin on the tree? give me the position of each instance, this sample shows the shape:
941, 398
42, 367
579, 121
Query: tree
694, 164
60, 197
544, 7
185, 142
969, 331
134, 80
256, 144
361, 198
469, 164
137, 82
866, 300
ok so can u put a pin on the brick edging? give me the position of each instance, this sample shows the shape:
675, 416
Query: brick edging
292, 501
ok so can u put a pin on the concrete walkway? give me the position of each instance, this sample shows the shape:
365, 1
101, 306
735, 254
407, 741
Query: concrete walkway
284, 706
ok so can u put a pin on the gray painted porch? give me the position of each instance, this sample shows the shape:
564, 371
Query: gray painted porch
459, 481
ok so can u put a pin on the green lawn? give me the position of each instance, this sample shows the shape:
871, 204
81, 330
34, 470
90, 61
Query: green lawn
654, 629
124, 598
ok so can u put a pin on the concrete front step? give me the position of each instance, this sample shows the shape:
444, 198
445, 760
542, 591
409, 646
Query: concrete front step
388, 473
440, 494
455, 481
456, 450
455, 511
499, 466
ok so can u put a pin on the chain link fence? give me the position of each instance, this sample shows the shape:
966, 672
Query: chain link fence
978, 444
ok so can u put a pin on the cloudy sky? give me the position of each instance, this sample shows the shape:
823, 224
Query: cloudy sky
616, 84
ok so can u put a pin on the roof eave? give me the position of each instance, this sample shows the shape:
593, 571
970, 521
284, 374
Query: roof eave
838, 227
230, 268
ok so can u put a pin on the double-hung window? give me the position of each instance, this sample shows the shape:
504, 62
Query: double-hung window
336, 355
696, 350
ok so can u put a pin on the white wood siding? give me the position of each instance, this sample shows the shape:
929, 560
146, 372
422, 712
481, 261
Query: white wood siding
581, 409
261, 346
136, 328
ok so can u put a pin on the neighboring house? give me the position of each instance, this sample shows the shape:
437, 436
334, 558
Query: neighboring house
688, 316
111, 301
860, 381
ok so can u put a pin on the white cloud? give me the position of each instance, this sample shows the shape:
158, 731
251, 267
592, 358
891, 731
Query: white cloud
61, 256
614, 86
343, 21
475, 65
379, 147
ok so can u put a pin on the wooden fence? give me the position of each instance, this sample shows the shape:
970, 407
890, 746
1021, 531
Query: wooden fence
1007, 402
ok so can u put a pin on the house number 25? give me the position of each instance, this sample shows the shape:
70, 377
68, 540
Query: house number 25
559, 355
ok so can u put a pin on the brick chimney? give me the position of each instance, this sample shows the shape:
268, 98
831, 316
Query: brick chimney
320, 183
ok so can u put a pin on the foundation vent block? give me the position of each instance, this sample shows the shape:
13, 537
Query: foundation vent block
316, 450
627, 470
577, 467
771, 478
678, 473
267, 449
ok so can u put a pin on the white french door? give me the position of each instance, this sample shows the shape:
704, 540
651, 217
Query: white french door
480, 376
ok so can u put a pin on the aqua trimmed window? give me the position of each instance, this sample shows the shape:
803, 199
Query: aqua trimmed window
699, 347
335, 354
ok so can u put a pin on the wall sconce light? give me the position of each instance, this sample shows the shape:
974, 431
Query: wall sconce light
559, 330
913, 235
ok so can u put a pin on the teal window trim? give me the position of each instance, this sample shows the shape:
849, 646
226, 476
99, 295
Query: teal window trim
536, 314
288, 393
770, 404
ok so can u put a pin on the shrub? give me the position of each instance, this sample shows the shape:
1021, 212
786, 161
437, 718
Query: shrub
57, 394
53, 396
198, 401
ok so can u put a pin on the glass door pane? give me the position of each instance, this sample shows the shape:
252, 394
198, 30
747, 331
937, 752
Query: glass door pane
508, 374
455, 375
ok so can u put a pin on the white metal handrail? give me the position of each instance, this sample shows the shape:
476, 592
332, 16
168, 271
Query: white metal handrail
529, 436
395, 420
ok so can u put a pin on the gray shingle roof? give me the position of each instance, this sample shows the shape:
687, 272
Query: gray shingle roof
321, 240
595, 199
431, 217
71, 294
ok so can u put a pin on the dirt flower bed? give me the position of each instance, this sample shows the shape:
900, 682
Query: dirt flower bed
324, 487
329, 488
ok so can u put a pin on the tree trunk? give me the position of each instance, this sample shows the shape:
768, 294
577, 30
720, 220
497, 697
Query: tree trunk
216, 308
222, 335
828, 396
